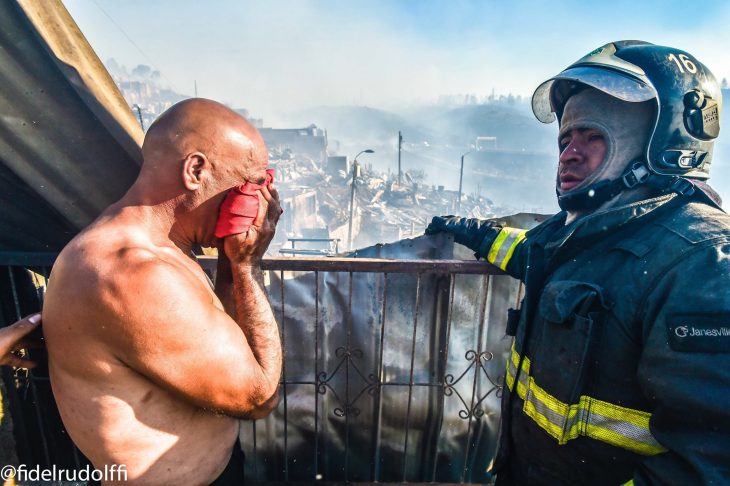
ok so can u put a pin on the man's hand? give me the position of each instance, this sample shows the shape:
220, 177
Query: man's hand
467, 232
249, 247
14, 337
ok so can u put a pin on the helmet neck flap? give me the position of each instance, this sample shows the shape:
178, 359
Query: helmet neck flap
625, 128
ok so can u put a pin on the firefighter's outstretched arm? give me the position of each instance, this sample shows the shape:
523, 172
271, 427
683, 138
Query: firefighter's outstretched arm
685, 369
501, 246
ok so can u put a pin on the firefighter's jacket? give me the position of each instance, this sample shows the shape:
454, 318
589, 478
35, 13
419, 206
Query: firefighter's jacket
620, 367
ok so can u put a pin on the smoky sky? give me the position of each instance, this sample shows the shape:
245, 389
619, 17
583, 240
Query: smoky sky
278, 56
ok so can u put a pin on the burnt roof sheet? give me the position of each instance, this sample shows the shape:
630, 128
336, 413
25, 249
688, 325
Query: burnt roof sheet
69, 144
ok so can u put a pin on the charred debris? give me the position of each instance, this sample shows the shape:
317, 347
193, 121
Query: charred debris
316, 190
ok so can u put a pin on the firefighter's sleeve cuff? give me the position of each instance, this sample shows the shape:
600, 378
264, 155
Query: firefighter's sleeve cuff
499, 251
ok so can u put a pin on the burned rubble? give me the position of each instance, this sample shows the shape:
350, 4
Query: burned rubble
316, 200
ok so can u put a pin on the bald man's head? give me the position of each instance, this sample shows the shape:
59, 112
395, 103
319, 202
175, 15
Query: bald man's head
199, 148
226, 139
194, 154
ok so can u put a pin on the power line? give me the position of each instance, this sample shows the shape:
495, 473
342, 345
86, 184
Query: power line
152, 63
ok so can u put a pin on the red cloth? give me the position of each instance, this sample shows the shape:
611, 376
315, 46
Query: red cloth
240, 207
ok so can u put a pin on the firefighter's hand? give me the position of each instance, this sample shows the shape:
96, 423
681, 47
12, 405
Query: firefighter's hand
14, 337
467, 231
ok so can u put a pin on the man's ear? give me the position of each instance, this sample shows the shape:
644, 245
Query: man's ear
195, 168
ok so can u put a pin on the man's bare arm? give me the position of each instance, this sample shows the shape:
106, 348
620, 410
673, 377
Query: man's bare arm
252, 308
160, 320
254, 315
168, 329
224, 283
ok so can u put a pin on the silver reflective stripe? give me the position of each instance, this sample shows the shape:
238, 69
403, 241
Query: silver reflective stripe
512, 372
504, 249
554, 417
524, 380
625, 429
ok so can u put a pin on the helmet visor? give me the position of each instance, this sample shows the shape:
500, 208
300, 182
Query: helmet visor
551, 95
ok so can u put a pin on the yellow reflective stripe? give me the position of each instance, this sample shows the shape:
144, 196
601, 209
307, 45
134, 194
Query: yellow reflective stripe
504, 246
615, 438
617, 412
517, 240
497, 244
514, 355
509, 376
621, 426
610, 423
548, 412
512, 365
511, 371
630, 482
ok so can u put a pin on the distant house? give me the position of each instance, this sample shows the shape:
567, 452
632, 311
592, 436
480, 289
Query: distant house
310, 141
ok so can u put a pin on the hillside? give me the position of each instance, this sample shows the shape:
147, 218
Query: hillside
436, 136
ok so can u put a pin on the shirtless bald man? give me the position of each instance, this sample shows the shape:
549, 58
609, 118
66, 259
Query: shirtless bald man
151, 368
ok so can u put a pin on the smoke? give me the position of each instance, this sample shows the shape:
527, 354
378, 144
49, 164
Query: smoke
281, 57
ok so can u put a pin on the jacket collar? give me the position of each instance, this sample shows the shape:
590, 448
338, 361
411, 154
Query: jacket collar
595, 225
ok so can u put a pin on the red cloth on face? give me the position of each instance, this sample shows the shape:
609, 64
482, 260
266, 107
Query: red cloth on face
240, 208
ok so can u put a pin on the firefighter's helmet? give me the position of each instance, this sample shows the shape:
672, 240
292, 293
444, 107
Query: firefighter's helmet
688, 100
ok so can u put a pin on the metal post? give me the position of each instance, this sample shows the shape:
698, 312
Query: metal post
352, 205
139, 115
461, 179
400, 143
352, 194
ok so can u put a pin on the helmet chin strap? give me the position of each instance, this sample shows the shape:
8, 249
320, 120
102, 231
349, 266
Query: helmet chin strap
591, 197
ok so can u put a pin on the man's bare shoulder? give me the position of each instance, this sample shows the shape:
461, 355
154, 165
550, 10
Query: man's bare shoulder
99, 257
117, 277
144, 276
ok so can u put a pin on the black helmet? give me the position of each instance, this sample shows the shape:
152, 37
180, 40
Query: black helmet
687, 95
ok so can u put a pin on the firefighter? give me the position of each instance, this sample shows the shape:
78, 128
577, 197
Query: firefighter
619, 371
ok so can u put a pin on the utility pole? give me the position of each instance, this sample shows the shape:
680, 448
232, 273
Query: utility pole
352, 205
139, 115
195, 82
461, 179
400, 143
355, 173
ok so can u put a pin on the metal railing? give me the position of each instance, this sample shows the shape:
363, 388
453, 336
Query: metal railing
333, 247
393, 371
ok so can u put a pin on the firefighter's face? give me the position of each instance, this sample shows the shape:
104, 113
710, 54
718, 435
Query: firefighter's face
582, 152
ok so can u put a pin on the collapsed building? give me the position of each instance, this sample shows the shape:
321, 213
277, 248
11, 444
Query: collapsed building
316, 199
309, 142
